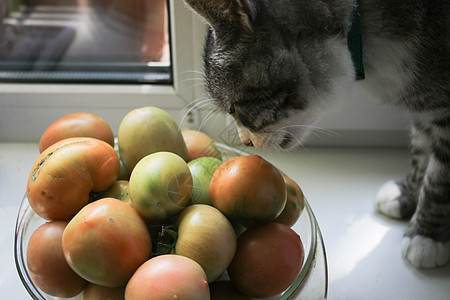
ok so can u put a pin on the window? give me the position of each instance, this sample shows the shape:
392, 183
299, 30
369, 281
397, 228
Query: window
119, 41
27, 107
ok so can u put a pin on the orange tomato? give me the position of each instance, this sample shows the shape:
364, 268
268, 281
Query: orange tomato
65, 173
81, 124
168, 276
106, 242
199, 144
248, 188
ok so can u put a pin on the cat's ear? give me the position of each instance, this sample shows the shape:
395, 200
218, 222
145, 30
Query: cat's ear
226, 13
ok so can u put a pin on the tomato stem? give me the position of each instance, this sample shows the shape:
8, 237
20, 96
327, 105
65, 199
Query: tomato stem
167, 239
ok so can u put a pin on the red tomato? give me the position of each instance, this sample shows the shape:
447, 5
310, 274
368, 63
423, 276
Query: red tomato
46, 263
294, 205
106, 242
248, 188
268, 259
168, 276
65, 173
81, 124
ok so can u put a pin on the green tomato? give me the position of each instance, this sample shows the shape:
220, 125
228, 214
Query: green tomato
148, 130
202, 170
206, 236
160, 186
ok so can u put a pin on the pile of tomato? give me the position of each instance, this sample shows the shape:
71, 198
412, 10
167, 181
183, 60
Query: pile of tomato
161, 216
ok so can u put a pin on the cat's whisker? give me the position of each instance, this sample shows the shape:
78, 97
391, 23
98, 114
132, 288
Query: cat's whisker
210, 114
196, 85
192, 79
279, 135
311, 127
192, 72
193, 85
200, 103
196, 105
206, 105
291, 136
283, 132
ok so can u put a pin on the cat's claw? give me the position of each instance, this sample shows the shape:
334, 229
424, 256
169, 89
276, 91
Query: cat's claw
424, 252
387, 201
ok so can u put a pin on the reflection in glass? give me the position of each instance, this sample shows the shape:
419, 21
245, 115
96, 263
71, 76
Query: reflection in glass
84, 41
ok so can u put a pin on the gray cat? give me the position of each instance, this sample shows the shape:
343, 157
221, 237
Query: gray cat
274, 65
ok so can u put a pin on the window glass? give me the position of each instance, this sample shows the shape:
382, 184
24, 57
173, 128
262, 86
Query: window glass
121, 41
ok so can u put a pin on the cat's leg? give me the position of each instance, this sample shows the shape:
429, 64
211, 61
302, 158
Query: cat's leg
427, 239
398, 199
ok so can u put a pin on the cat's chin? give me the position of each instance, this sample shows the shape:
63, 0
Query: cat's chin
284, 134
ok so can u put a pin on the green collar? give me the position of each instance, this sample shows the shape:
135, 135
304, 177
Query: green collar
354, 42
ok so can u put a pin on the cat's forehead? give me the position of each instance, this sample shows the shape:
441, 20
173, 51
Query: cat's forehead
257, 66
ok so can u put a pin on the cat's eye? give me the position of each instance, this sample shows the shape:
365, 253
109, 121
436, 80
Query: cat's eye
84, 41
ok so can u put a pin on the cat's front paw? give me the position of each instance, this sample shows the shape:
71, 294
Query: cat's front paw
387, 200
395, 200
424, 252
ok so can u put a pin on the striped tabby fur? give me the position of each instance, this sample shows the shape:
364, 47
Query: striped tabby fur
275, 65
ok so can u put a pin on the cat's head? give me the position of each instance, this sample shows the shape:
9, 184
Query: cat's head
274, 65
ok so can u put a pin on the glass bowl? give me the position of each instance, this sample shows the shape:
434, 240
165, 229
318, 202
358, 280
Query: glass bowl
311, 283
